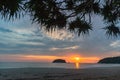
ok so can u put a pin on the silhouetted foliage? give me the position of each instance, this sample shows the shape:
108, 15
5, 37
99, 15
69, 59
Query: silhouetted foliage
11, 8
110, 60
74, 15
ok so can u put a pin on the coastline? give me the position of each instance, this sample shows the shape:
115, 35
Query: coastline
104, 73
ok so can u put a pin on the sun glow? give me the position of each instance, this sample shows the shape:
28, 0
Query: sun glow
77, 58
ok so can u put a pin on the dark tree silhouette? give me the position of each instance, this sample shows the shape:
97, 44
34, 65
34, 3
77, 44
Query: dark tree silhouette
74, 15
11, 8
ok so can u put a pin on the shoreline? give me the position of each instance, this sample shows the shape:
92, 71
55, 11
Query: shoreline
106, 73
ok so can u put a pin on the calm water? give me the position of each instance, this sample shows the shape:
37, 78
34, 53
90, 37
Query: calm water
52, 65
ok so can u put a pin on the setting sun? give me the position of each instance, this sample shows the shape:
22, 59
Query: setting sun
77, 58
74, 59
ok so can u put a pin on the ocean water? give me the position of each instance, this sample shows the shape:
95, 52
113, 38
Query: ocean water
5, 65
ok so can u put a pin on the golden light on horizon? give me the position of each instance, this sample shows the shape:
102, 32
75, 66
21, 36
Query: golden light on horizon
40, 58
74, 59
48, 58
77, 58
81, 59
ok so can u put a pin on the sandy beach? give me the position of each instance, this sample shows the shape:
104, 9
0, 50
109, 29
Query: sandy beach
111, 73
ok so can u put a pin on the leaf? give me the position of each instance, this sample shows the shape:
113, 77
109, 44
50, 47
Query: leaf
81, 26
11, 8
112, 30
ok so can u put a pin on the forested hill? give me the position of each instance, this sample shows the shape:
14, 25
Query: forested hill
110, 60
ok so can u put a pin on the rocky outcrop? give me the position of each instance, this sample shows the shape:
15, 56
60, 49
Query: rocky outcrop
59, 61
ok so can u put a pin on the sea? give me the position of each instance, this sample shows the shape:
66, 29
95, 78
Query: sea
6, 65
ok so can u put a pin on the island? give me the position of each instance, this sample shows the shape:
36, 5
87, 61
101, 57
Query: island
59, 61
115, 60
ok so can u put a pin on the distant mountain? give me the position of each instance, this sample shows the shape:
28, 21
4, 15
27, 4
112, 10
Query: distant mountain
110, 60
59, 61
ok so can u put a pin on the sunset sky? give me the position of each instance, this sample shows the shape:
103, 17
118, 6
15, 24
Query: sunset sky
21, 41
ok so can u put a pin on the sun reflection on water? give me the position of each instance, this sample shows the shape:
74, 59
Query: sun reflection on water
77, 65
